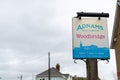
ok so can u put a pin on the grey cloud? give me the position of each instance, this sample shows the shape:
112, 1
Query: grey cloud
23, 31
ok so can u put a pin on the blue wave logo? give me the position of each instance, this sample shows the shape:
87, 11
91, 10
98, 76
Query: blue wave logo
91, 51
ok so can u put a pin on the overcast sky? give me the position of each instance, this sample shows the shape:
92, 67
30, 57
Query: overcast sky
29, 29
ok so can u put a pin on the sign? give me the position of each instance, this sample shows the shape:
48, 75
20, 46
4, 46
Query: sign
90, 38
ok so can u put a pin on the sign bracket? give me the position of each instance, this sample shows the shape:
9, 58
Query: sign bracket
87, 14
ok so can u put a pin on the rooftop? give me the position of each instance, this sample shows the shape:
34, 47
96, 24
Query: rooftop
53, 73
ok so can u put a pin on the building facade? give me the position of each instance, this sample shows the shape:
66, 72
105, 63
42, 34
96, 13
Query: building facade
55, 74
115, 43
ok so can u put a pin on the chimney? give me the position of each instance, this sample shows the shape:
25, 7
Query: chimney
58, 67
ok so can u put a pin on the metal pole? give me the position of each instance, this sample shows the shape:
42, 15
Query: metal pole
92, 69
21, 77
48, 65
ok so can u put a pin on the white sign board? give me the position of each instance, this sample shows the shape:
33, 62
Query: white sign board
90, 38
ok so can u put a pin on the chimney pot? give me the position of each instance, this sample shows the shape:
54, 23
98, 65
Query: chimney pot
58, 67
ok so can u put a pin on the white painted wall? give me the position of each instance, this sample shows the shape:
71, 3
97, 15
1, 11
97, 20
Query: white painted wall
52, 78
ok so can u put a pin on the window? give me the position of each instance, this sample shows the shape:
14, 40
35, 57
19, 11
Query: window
42, 79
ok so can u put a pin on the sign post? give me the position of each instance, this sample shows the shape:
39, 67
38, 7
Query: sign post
90, 40
92, 69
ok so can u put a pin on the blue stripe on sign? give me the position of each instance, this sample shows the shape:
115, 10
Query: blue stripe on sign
99, 53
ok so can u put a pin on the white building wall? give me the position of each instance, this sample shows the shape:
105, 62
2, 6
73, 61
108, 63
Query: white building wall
52, 78
69, 78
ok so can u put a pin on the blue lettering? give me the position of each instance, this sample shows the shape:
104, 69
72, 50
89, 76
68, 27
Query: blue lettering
79, 27
83, 26
92, 26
